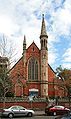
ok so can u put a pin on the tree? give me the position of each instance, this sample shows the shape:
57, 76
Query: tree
7, 53
65, 75
5, 82
7, 49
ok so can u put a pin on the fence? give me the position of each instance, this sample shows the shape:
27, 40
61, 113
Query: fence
39, 102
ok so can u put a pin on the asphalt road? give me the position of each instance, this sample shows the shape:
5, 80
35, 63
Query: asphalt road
38, 115
34, 117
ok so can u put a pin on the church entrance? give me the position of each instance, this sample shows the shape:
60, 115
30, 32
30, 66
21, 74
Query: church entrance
33, 92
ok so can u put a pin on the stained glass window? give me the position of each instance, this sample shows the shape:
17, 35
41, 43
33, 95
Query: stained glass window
33, 69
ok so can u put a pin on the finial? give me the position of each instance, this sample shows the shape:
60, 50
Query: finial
24, 43
43, 27
42, 15
24, 39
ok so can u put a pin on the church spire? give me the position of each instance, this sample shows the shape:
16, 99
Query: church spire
44, 59
43, 35
24, 44
43, 28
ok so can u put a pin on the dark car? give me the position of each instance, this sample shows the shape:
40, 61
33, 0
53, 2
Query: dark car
16, 111
56, 110
68, 116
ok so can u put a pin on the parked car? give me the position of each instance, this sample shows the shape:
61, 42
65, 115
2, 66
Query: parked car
16, 111
64, 117
56, 110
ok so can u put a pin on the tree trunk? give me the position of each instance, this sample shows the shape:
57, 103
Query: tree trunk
69, 101
4, 102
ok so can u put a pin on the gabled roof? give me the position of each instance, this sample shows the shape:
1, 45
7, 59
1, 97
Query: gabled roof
51, 69
22, 56
16, 63
33, 43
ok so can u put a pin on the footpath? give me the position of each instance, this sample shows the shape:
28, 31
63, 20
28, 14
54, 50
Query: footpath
39, 113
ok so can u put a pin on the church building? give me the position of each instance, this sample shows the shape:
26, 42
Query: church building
32, 75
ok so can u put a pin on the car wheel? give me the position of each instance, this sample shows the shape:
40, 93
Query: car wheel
54, 113
10, 115
30, 114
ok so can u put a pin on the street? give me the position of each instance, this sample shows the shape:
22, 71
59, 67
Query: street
34, 117
38, 115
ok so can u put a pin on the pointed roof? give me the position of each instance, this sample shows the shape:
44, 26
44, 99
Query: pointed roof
43, 28
24, 42
33, 44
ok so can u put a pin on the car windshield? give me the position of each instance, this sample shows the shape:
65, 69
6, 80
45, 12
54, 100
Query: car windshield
20, 107
14, 108
59, 107
17, 108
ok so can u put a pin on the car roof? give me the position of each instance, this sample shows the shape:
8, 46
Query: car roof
17, 106
59, 106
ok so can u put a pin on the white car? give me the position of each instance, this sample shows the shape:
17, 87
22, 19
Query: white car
17, 111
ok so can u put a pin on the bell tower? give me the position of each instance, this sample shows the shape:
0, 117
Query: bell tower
44, 59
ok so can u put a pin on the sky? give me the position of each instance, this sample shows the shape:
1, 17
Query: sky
24, 17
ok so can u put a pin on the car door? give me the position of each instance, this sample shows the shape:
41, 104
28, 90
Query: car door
22, 111
57, 109
60, 110
15, 110
65, 111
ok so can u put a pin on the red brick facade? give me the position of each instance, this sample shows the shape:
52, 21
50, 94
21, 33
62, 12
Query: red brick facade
21, 71
19, 75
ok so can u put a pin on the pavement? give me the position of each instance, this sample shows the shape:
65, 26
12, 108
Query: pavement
39, 113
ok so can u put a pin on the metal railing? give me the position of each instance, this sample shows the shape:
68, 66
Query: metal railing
26, 99
22, 99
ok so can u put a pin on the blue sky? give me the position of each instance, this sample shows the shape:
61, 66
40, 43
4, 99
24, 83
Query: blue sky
23, 17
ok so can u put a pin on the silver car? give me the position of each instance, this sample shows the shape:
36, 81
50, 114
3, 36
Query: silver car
17, 111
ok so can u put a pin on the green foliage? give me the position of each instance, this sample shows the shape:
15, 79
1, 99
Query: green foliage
9, 94
1, 90
65, 75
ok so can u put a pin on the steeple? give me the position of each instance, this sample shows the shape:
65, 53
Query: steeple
43, 28
44, 59
43, 35
24, 44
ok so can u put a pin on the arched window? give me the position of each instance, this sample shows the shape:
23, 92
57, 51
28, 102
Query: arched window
33, 69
